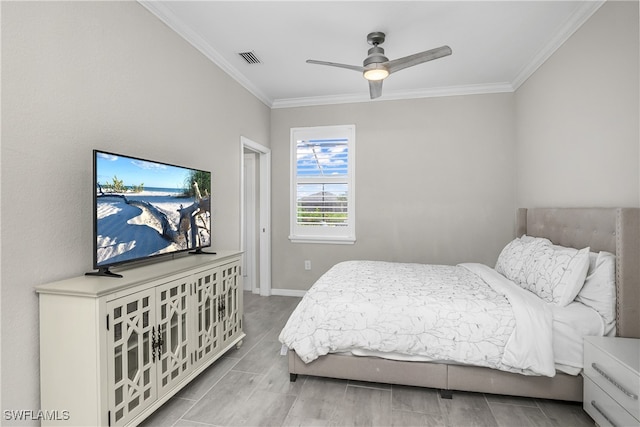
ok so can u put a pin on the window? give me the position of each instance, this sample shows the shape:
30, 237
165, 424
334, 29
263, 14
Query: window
322, 184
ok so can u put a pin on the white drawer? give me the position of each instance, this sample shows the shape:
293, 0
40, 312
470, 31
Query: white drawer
616, 379
603, 409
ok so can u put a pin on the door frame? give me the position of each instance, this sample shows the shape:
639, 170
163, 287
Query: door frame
264, 200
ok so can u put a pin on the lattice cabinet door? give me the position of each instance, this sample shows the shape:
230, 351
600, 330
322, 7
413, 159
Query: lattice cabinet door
131, 370
172, 345
230, 301
206, 290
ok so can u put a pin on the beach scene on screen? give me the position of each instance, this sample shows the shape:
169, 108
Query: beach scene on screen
145, 209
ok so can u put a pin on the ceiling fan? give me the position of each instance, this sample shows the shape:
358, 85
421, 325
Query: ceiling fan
376, 67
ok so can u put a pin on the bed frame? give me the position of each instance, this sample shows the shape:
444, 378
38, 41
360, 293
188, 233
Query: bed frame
616, 230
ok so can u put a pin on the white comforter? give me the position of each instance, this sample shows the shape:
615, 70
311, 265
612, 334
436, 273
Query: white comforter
463, 314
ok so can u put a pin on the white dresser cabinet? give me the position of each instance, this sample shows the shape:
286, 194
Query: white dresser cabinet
113, 350
612, 381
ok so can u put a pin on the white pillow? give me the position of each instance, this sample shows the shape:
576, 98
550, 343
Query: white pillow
554, 273
513, 256
599, 290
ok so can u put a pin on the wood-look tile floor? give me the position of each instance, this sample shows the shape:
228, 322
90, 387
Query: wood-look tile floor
250, 387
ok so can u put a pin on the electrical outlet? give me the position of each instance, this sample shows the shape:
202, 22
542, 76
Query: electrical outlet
307, 265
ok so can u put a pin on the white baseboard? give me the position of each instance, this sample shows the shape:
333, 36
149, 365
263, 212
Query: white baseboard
288, 292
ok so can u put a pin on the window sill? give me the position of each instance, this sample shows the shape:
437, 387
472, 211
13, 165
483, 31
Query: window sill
323, 240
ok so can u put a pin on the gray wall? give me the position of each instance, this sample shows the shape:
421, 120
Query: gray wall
109, 75
577, 117
434, 183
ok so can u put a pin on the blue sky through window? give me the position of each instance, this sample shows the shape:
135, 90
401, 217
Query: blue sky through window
326, 157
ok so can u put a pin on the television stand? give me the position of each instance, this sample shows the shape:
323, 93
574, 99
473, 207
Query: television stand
103, 271
114, 351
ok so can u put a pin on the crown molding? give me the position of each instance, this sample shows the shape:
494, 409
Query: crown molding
580, 16
165, 14
394, 95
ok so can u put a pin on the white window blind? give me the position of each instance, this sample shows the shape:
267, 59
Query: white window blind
322, 186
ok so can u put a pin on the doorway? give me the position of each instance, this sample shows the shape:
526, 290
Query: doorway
255, 239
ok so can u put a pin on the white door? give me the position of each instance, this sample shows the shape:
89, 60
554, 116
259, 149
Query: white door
250, 226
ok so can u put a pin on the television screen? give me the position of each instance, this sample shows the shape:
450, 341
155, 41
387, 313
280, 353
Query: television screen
144, 209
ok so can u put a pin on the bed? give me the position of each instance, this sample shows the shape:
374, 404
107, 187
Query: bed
614, 230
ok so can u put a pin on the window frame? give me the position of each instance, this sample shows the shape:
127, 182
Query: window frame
318, 234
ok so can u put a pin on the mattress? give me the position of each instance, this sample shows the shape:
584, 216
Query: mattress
570, 325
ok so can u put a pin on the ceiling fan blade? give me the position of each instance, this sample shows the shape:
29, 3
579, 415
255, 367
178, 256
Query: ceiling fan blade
375, 88
418, 58
335, 64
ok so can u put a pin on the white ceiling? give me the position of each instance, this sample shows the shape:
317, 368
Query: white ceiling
496, 45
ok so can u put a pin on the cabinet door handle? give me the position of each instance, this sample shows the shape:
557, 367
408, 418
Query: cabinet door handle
221, 310
153, 343
160, 342
614, 382
606, 417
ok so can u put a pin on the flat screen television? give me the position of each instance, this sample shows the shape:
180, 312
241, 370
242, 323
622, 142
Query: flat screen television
144, 209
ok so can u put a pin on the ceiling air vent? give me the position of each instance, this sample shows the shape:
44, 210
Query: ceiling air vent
250, 57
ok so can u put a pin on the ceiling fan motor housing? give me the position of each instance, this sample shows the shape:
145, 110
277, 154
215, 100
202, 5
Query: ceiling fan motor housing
376, 56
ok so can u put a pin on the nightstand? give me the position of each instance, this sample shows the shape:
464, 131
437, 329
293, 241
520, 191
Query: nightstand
612, 381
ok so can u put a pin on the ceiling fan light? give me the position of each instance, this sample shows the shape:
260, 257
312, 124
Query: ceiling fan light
376, 74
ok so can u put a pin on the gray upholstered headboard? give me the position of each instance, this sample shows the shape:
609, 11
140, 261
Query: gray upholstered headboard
615, 230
